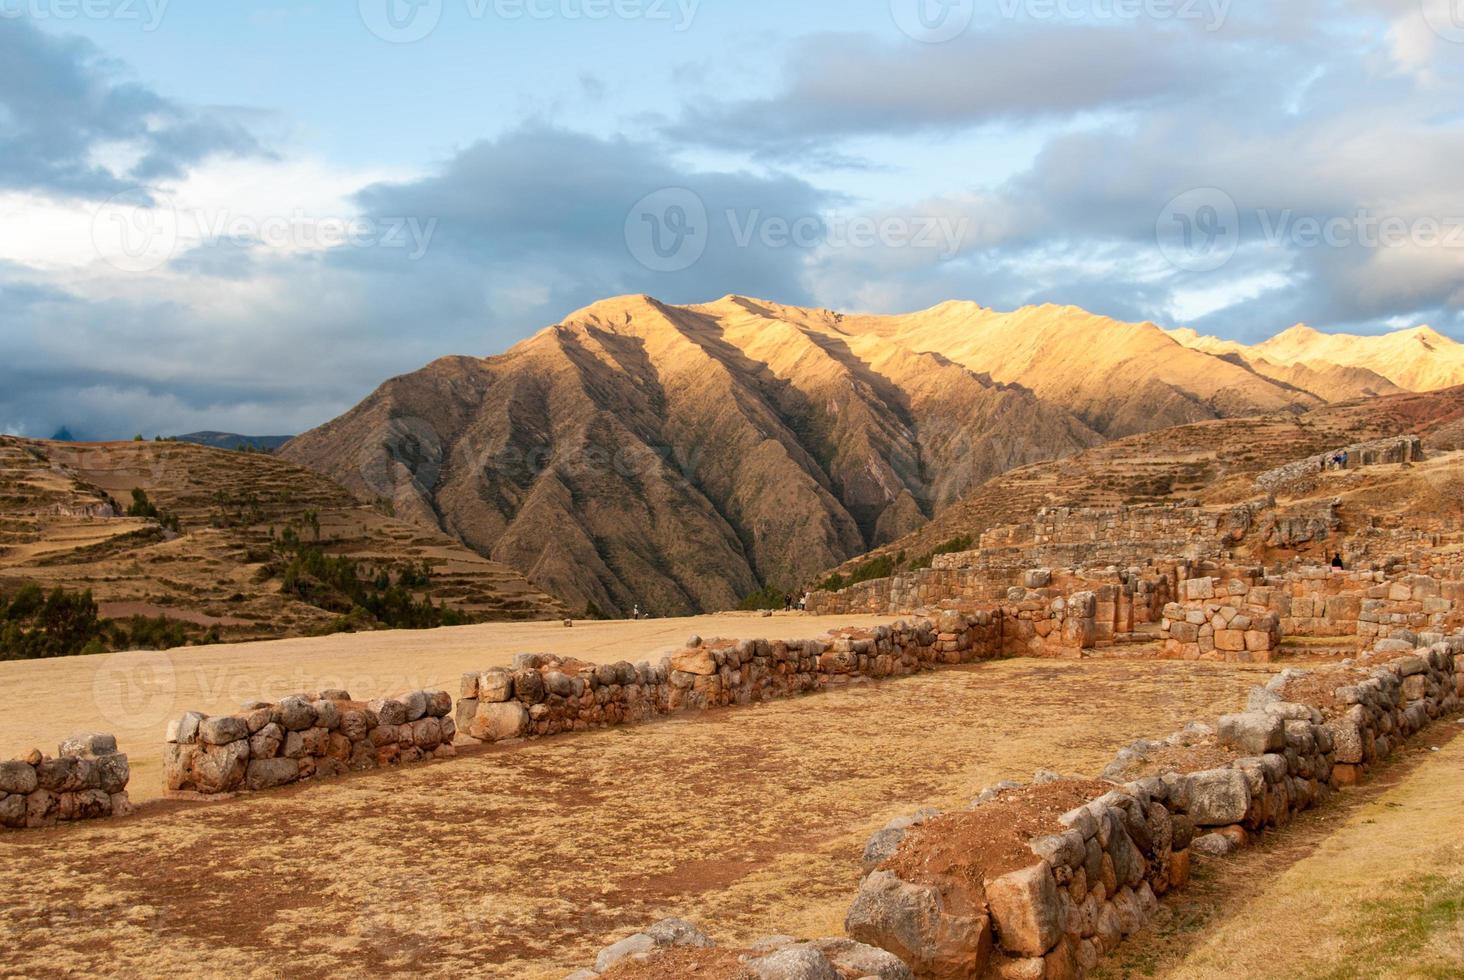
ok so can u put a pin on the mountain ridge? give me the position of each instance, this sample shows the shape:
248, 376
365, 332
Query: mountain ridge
679, 458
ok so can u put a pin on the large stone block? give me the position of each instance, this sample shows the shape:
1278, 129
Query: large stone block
88, 745
915, 923
1024, 910
698, 661
220, 768
1230, 641
269, 773
1253, 732
17, 777
222, 730
495, 686
499, 721
1218, 798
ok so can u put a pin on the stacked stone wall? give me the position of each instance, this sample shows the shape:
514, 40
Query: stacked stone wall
545, 695
304, 736
87, 780
945, 904
1096, 878
1402, 449
1244, 615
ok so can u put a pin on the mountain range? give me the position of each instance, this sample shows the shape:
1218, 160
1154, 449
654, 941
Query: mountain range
678, 458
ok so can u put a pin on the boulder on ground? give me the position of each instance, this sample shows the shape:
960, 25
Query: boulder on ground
859, 960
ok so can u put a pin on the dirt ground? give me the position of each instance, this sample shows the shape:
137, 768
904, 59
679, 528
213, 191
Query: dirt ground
523, 861
1371, 885
134, 695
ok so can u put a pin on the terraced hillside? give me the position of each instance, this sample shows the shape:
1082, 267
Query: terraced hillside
1212, 463
62, 522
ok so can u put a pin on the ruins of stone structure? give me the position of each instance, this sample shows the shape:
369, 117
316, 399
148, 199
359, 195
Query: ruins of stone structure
1094, 879
544, 695
945, 896
304, 736
87, 780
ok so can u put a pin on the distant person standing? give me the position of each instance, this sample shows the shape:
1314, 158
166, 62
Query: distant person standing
636, 614
787, 602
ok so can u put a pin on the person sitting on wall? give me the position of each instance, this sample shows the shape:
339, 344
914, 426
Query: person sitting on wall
1337, 561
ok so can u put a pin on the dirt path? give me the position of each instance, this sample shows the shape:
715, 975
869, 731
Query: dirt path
522, 862
1372, 885
134, 695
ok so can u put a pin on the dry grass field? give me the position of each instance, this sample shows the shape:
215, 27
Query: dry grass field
134, 695
1371, 885
523, 861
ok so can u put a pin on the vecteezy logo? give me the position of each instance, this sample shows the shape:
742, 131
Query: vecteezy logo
1445, 18
1199, 231
933, 21
134, 233
401, 21
668, 231
135, 690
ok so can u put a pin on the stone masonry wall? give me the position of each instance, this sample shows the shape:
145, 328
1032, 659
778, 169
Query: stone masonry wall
87, 780
1247, 612
1096, 877
304, 736
544, 695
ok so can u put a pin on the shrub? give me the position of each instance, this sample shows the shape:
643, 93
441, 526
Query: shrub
765, 598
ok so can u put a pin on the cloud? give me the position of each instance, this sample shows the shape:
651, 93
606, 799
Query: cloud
1302, 112
72, 124
284, 339
842, 86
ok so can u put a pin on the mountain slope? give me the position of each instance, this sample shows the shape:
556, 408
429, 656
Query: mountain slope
63, 523
678, 458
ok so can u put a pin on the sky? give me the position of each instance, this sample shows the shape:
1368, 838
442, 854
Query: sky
246, 216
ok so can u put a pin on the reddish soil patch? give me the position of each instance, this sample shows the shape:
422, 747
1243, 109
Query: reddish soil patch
1320, 689
992, 839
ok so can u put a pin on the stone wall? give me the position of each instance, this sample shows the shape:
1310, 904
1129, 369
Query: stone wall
1403, 449
1095, 876
1244, 614
544, 695
1064, 614
971, 894
304, 736
87, 780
